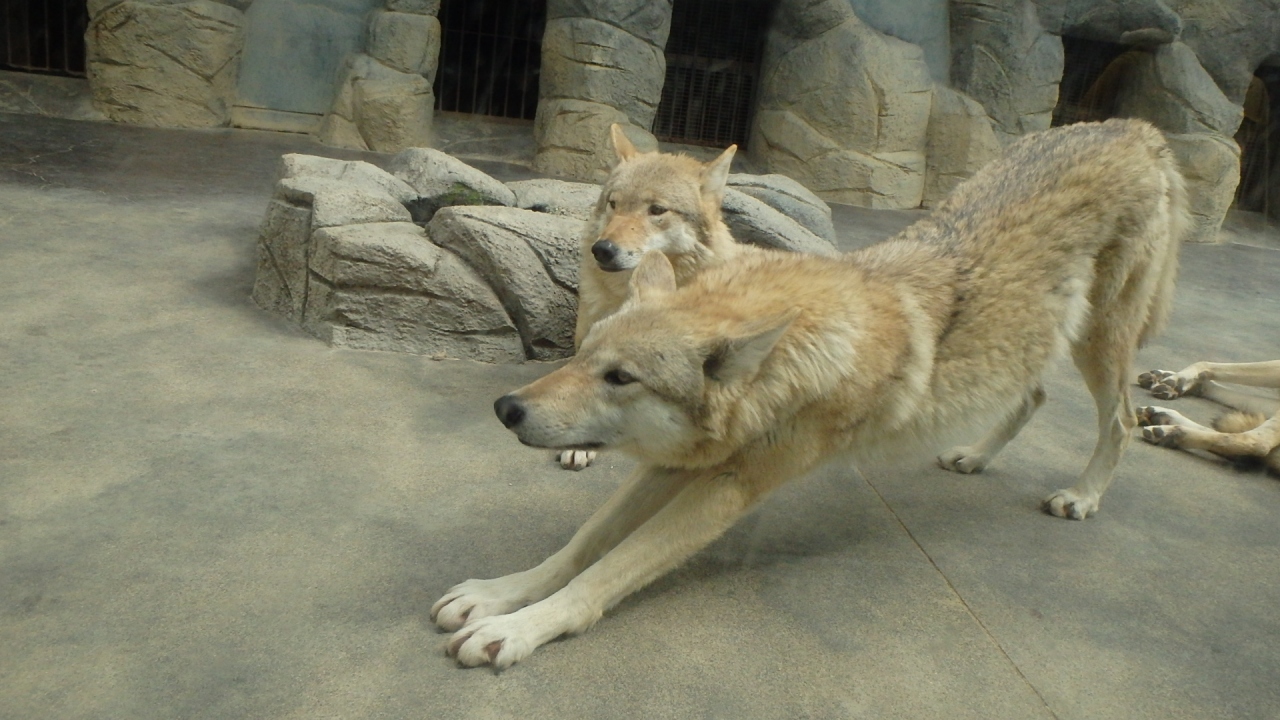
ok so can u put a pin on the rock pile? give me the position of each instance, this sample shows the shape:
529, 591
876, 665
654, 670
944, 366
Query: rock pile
435, 257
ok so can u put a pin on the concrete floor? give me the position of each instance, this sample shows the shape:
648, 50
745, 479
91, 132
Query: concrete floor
205, 513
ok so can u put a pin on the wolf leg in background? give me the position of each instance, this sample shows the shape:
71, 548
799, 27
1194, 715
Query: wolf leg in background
1242, 434
766, 365
650, 201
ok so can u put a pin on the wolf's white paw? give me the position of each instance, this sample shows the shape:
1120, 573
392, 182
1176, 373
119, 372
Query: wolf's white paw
469, 601
1168, 385
1163, 435
963, 459
1067, 504
500, 641
576, 459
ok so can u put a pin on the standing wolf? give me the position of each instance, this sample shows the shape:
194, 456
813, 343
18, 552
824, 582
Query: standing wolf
763, 367
650, 201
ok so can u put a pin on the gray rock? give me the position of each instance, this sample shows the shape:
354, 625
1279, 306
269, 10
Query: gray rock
531, 261
789, 198
170, 65
406, 42
356, 173
807, 19
816, 95
753, 222
1005, 59
1231, 38
385, 286
1211, 165
961, 141
1112, 20
558, 197
441, 180
280, 284
601, 63
346, 205
379, 108
1170, 88
648, 20
417, 7
573, 138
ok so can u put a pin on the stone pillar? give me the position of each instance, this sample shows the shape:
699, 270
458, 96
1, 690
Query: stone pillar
1004, 58
164, 64
1170, 88
385, 102
602, 63
843, 108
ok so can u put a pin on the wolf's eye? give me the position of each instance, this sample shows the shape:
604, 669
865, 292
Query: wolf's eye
657, 210
618, 377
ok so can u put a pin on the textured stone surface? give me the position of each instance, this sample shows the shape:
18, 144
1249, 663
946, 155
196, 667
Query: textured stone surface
171, 65
356, 173
960, 142
572, 138
1211, 165
558, 197
386, 109
789, 198
1231, 38
280, 284
817, 93
602, 63
752, 221
441, 180
1113, 20
385, 286
1005, 59
406, 42
1170, 88
531, 261
346, 205
418, 7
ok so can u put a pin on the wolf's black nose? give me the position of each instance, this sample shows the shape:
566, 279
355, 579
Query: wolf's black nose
605, 252
509, 410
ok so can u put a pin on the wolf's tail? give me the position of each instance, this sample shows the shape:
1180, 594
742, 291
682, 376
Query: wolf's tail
1177, 222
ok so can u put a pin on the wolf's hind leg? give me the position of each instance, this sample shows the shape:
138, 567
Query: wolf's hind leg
631, 505
974, 458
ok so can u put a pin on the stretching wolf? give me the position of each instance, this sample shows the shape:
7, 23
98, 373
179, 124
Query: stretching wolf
766, 365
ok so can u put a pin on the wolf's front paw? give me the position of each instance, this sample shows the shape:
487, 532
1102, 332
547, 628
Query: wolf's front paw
1168, 385
963, 459
502, 640
576, 459
469, 601
1163, 435
1068, 504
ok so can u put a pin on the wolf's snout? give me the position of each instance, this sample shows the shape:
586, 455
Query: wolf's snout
509, 410
606, 253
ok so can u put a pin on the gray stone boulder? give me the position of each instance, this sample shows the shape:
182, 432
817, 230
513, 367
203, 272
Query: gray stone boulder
1171, 89
280, 284
441, 180
165, 65
379, 108
408, 42
789, 198
1004, 58
960, 142
817, 90
417, 7
602, 63
385, 286
755, 223
530, 259
558, 197
1211, 165
1129, 22
347, 173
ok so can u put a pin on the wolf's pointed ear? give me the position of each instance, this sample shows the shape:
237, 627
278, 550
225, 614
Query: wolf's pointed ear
739, 358
622, 145
653, 277
715, 174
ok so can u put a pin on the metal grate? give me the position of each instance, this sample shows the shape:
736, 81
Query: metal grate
1092, 73
490, 57
45, 36
713, 60
1257, 140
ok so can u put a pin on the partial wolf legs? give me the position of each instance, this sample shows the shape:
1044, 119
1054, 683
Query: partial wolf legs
642, 495
974, 458
1196, 378
1169, 428
703, 504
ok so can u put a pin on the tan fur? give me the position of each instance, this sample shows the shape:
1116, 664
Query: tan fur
767, 365
1245, 433
691, 233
